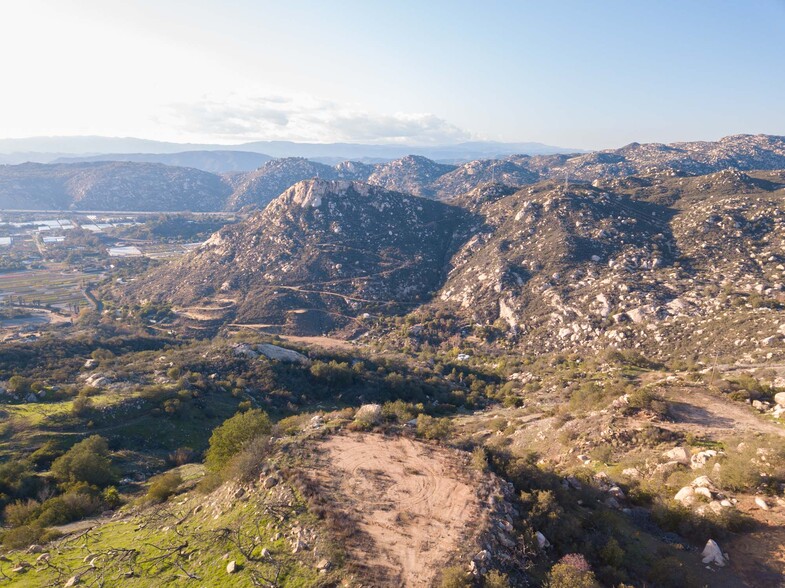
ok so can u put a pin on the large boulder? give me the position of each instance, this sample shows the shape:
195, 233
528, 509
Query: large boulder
369, 413
281, 354
779, 398
686, 496
713, 554
678, 454
542, 541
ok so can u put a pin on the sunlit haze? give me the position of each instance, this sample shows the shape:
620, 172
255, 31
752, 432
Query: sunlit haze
575, 74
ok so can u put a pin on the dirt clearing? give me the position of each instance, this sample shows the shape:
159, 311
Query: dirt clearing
703, 413
413, 506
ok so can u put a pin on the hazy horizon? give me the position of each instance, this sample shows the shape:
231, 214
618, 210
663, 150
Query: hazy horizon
576, 75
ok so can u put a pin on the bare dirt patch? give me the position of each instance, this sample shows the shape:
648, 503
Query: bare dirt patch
759, 557
704, 413
413, 506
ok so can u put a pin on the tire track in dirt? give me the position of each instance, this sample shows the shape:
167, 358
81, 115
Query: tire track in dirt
412, 507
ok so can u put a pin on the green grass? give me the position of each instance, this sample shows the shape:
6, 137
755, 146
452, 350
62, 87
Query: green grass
151, 532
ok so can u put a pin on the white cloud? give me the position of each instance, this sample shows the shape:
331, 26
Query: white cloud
304, 118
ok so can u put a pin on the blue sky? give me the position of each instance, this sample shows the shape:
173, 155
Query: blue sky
588, 74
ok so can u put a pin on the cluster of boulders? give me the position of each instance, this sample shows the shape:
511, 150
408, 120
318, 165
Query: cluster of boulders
775, 409
703, 492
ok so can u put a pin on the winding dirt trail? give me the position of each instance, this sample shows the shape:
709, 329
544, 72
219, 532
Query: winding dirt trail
413, 509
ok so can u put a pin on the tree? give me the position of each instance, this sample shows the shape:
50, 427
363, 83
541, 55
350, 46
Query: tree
19, 385
234, 434
88, 461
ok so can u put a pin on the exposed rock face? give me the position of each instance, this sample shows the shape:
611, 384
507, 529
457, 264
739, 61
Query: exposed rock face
321, 253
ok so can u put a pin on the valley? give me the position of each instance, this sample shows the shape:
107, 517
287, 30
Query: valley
407, 373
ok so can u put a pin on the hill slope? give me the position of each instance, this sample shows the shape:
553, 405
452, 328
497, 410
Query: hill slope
634, 262
110, 186
215, 162
321, 253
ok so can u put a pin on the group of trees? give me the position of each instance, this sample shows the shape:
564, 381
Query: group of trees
78, 484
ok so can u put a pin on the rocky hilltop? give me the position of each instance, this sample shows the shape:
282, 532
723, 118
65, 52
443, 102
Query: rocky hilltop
322, 254
650, 263
257, 188
413, 174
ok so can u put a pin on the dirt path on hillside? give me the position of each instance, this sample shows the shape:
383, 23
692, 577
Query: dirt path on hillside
703, 413
412, 508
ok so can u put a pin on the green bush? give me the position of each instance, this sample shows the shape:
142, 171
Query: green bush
455, 577
27, 535
248, 463
433, 428
21, 512
88, 461
235, 433
71, 506
495, 579
163, 486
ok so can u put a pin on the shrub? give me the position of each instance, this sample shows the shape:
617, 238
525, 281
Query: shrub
87, 461
248, 464
455, 577
401, 411
181, 456
292, 425
235, 433
46, 454
644, 399
433, 428
26, 535
82, 406
740, 470
480, 459
572, 571
21, 512
163, 486
111, 497
495, 579
71, 506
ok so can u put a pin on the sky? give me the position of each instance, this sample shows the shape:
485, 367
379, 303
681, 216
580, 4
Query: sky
582, 74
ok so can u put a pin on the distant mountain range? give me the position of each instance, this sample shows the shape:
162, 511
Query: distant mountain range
50, 149
144, 185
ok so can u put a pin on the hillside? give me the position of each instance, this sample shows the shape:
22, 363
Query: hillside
412, 174
110, 186
216, 162
636, 262
320, 255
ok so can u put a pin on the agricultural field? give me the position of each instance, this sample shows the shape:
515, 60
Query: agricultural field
53, 286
